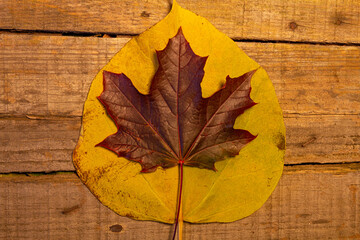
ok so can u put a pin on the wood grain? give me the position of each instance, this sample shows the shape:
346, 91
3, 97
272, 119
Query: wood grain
51, 75
37, 145
43, 145
45, 77
314, 21
308, 203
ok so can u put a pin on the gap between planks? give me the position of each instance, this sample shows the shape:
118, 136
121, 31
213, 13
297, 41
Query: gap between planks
333, 167
288, 169
117, 35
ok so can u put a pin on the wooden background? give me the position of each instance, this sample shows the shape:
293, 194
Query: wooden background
50, 50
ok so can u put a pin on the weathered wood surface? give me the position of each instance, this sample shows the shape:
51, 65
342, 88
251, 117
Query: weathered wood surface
46, 145
51, 75
316, 20
44, 79
42, 76
309, 203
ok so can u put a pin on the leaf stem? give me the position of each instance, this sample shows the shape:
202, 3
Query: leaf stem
179, 207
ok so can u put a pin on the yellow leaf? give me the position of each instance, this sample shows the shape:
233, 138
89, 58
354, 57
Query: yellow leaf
241, 184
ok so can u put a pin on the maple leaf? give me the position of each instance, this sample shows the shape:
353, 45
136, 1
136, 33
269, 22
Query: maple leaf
174, 124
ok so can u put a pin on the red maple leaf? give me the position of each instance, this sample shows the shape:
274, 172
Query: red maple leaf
174, 124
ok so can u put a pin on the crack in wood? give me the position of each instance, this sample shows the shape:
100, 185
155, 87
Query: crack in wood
116, 35
351, 165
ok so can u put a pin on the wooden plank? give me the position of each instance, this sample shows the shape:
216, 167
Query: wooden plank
37, 145
47, 145
51, 75
308, 203
316, 21
322, 139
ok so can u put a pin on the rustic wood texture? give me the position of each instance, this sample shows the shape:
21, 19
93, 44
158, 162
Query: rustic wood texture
315, 20
43, 145
309, 203
51, 75
45, 77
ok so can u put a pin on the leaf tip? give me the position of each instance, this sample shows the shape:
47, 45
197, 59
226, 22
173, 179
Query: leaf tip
104, 145
175, 5
147, 170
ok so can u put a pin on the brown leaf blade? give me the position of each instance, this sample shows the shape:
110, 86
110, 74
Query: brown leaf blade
174, 123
